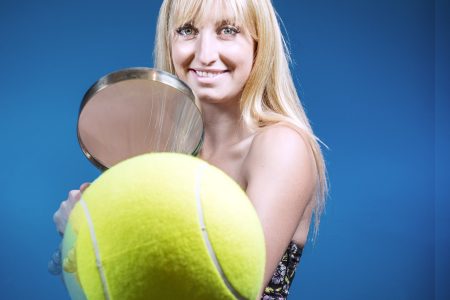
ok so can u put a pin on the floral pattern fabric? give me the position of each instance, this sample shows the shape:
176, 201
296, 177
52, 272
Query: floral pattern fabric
278, 287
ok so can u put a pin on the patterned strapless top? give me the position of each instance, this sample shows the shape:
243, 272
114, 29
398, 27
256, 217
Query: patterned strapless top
278, 287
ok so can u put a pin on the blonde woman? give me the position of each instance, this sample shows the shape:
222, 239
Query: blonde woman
233, 56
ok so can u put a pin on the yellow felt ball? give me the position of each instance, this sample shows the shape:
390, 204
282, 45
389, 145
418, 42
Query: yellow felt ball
163, 226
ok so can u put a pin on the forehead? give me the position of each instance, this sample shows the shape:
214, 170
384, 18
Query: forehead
201, 11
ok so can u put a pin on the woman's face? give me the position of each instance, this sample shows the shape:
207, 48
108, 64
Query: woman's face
214, 58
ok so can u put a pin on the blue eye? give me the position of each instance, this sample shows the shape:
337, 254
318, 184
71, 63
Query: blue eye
187, 30
230, 30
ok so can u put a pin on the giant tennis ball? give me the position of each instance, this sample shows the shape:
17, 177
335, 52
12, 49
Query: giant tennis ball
163, 226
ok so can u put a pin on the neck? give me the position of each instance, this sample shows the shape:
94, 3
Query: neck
223, 127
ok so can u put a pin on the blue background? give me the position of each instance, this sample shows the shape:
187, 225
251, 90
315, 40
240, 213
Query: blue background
373, 76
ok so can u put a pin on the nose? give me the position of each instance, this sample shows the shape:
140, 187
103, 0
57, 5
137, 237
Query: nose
207, 49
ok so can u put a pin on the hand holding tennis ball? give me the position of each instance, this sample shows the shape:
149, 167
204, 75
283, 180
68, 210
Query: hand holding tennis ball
62, 214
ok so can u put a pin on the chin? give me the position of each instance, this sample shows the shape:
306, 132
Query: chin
216, 96
209, 99
217, 100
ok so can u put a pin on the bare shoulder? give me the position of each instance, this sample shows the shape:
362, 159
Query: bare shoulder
280, 148
282, 141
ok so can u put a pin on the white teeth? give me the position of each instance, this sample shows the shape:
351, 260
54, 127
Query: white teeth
207, 74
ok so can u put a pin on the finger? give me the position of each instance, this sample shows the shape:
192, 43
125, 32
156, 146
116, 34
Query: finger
74, 196
60, 229
66, 207
56, 217
58, 222
84, 186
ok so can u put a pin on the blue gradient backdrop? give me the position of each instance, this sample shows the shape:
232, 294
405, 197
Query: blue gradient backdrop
366, 73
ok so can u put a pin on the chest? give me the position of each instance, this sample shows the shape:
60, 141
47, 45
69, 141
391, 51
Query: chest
234, 169
232, 161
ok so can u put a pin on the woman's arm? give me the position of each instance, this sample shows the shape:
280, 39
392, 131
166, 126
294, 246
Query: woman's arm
281, 179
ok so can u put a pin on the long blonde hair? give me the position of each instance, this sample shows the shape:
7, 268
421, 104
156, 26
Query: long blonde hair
269, 95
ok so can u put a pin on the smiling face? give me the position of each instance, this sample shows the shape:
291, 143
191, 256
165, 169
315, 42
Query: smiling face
213, 55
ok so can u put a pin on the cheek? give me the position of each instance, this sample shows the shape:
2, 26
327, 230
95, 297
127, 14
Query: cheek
181, 56
175, 59
244, 60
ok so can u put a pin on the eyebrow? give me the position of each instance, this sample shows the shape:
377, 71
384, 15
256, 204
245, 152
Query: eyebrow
217, 24
225, 22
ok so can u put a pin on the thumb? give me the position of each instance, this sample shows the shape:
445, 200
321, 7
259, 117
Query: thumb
84, 186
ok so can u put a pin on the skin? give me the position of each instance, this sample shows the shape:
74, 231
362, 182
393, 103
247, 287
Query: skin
274, 165
62, 214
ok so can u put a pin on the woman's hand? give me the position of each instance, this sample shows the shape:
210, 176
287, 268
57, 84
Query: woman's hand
62, 214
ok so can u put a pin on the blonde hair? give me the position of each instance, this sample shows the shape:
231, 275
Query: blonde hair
269, 96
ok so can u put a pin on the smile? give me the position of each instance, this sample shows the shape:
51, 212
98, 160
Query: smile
208, 74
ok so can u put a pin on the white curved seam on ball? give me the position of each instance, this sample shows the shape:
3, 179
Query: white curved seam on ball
96, 249
212, 254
